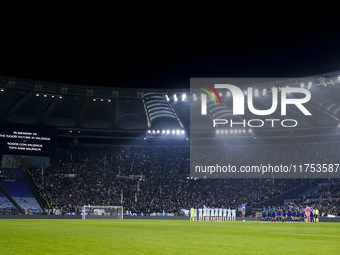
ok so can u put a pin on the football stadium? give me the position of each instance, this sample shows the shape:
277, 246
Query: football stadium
102, 170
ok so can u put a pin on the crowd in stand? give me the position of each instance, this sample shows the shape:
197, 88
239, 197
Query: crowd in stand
326, 197
156, 178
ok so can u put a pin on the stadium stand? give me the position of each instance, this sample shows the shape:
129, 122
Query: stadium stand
4, 202
22, 195
109, 152
326, 197
100, 173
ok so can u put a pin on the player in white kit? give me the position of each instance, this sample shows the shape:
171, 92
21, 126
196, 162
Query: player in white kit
220, 214
233, 215
200, 214
229, 214
216, 213
207, 214
224, 217
212, 214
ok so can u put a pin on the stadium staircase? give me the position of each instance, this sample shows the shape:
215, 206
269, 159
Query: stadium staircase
9, 197
279, 199
42, 201
309, 191
21, 191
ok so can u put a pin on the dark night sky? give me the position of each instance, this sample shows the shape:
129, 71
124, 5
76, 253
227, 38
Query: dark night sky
167, 57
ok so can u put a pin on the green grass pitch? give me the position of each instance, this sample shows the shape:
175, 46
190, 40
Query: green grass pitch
165, 237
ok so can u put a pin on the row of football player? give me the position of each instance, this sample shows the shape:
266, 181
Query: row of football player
213, 214
289, 213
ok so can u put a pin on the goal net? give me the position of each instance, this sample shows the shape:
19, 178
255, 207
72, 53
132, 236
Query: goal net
102, 212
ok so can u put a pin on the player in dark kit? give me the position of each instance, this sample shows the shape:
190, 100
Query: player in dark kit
311, 215
289, 214
279, 213
297, 214
273, 215
302, 214
293, 215
269, 215
284, 215
264, 213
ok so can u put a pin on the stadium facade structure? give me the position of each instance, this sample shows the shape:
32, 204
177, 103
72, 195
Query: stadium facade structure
88, 114
91, 112
104, 113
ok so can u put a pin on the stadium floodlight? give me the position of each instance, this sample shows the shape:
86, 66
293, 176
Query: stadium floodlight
182, 132
264, 92
228, 94
217, 131
256, 92
184, 96
178, 131
194, 97
226, 131
250, 131
149, 131
158, 131
168, 132
153, 131
102, 212
167, 98
302, 85
163, 131
173, 131
37, 95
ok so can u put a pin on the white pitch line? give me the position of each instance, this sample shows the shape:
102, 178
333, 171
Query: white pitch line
295, 234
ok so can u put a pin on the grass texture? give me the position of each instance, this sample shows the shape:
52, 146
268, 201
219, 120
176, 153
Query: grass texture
87, 237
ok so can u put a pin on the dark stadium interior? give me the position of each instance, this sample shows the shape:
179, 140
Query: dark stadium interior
114, 118
130, 147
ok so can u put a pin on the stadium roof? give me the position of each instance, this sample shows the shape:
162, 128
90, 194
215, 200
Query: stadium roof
106, 112
91, 111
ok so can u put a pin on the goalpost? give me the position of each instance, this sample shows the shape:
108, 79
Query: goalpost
102, 212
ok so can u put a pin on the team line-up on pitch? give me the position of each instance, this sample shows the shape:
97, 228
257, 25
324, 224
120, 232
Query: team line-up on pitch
213, 214
268, 168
